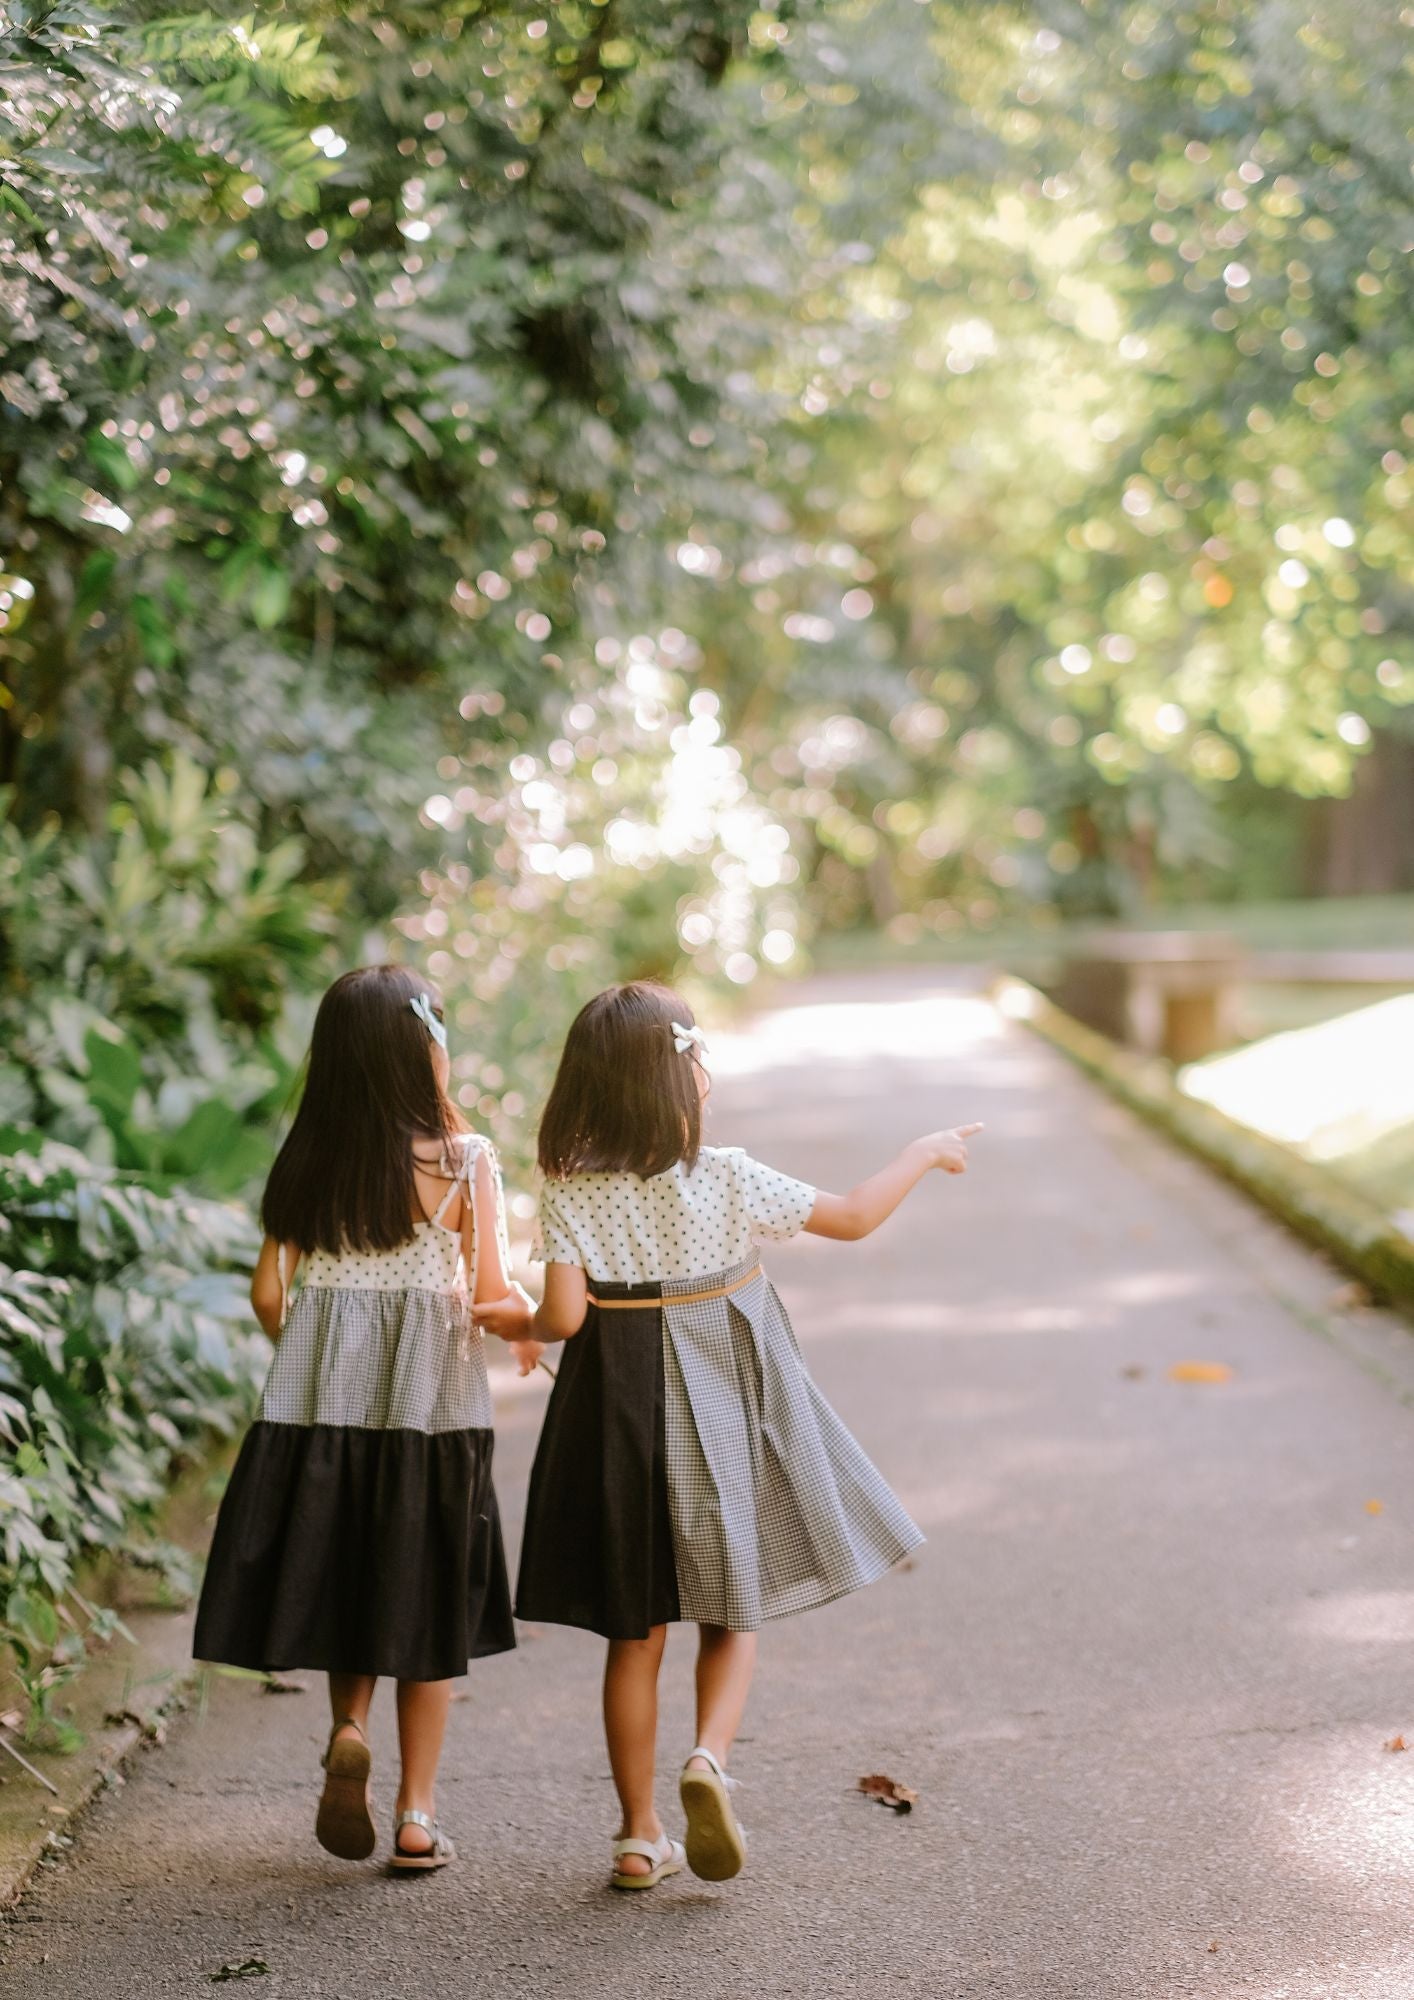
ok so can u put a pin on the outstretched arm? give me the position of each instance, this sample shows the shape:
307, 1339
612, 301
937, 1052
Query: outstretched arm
847, 1217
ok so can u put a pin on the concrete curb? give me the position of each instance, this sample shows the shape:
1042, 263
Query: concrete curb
1355, 1231
122, 1698
119, 1701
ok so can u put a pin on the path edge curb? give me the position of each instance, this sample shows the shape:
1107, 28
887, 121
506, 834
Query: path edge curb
1355, 1231
144, 1684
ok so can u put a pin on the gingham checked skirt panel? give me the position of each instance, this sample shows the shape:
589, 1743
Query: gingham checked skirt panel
699, 1413
379, 1360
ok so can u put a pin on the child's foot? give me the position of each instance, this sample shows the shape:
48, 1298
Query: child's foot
344, 1822
716, 1842
642, 1864
419, 1843
632, 1862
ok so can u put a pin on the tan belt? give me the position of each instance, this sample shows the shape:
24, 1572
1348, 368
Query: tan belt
677, 1298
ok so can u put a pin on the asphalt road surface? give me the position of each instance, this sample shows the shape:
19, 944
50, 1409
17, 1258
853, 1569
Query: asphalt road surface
1141, 1676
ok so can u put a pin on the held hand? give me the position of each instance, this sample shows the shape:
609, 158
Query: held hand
508, 1318
527, 1354
949, 1149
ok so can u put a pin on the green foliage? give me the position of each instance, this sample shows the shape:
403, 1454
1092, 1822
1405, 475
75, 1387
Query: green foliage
145, 988
124, 1343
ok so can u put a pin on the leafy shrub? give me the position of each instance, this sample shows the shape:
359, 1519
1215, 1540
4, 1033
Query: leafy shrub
125, 1343
146, 980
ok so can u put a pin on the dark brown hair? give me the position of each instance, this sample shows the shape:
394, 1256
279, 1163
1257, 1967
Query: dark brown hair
624, 1101
343, 1180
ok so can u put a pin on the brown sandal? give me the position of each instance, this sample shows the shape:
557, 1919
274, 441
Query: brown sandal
344, 1825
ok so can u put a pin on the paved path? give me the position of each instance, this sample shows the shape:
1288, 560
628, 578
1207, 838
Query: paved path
1141, 1675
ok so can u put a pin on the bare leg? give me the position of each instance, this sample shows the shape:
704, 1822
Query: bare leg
725, 1663
349, 1698
422, 1723
631, 1727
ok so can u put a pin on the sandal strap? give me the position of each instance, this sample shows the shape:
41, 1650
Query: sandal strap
709, 1759
440, 1848
344, 1722
651, 1850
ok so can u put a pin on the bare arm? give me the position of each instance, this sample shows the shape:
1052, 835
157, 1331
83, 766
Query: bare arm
847, 1217
492, 1278
266, 1293
566, 1301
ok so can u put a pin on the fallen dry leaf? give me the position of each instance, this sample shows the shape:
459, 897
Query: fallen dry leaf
888, 1791
1374, 1506
1396, 1743
1134, 1373
282, 1684
1200, 1371
240, 1968
1213, 1945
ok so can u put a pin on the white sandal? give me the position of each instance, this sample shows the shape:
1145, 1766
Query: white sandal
436, 1856
716, 1840
666, 1855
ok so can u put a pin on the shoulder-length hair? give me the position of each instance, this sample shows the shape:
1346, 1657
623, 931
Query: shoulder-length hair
624, 1101
343, 1180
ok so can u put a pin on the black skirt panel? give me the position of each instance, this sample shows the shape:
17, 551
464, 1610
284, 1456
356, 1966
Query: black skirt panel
357, 1551
598, 1546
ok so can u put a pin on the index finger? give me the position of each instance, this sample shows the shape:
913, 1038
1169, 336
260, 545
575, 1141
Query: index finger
966, 1131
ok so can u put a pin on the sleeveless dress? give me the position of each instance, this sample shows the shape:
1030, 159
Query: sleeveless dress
359, 1532
688, 1467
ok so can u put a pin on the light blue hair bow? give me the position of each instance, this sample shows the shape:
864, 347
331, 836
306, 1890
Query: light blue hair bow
422, 1007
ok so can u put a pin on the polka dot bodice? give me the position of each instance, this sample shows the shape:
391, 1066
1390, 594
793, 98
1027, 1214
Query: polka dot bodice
431, 1258
624, 1229
428, 1262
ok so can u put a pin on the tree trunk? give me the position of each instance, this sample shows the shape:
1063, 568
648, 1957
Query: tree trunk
1363, 845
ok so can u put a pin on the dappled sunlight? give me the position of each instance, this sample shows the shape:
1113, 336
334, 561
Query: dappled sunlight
1332, 1089
1359, 1830
1361, 1617
1146, 1288
941, 1026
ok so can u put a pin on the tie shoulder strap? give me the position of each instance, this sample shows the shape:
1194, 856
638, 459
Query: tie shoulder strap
476, 1145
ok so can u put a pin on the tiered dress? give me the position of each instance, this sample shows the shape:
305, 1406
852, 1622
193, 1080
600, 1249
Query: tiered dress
688, 1467
359, 1532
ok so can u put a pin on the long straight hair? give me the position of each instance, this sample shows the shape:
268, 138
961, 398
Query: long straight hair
624, 1101
343, 1180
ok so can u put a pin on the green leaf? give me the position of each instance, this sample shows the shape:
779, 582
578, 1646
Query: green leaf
114, 1071
269, 596
95, 580
58, 160
112, 463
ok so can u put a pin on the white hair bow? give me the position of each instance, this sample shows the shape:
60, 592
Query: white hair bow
422, 1007
685, 1038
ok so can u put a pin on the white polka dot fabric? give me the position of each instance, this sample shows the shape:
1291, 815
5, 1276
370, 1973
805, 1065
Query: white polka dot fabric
678, 1225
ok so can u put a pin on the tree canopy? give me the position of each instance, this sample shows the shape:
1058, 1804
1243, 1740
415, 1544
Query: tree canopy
600, 486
